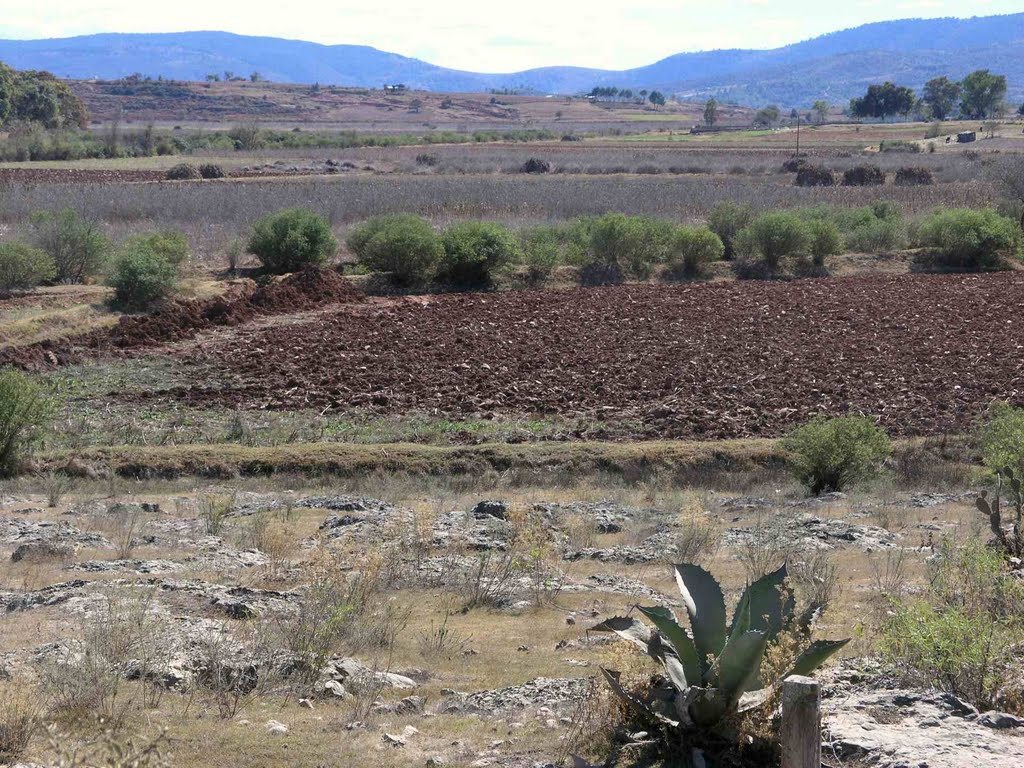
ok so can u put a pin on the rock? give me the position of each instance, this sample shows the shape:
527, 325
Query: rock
42, 550
496, 509
434, 761
542, 692
306, 703
274, 728
410, 705
393, 740
1000, 720
357, 677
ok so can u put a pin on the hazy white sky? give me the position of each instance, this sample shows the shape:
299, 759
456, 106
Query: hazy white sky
492, 37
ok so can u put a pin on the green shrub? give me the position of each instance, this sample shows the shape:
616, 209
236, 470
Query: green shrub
77, 246
288, 240
963, 636
24, 411
691, 250
541, 249
403, 244
141, 277
475, 250
172, 246
831, 454
727, 220
1001, 437
23, 267
630, 244
825, 241
964, 238
773, 236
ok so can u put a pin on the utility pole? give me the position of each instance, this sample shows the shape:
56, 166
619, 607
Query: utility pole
798, 135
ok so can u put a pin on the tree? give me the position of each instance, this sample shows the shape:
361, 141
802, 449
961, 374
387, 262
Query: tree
710, 113
657, 98
255, 77
939, 96
767, 116
821, 109
882, 101
983, 94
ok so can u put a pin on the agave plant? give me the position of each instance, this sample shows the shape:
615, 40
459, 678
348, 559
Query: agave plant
1010, 538
714, 671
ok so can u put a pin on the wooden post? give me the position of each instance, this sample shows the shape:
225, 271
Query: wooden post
801, 723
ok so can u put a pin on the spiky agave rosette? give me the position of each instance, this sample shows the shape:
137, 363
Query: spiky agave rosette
715, 671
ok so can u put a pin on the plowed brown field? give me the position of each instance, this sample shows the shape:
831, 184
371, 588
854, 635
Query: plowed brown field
923, 353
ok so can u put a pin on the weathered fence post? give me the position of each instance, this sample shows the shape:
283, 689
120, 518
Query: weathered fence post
801, 723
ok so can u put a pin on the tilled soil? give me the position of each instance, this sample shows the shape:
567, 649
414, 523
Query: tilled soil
184, 318
924, 353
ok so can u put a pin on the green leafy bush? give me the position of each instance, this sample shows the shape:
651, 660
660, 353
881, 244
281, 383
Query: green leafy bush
831, 454
141, 277
77, 246
475, 250
288, 240
963, 635
1001, 437
773, 236
630, 244
24, 411
691, 250
403, 244
727, 220
969, 239
825, 241
172, 246
23, 267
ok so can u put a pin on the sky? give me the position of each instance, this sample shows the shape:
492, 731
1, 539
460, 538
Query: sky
491, 37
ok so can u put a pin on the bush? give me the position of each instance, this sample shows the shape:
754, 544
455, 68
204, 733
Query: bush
23, 267
913, 177
831, 454
813, 176
403, 244
1001, 437
774, 235
171, 246
964, 635
633, 244
964, 238
863, 176
141, 277
825, 241
183, 172
77, 246
24, 411
899, 146
727, 220
211, 171
691, 250
475, 250
536, 165
291, 239
794, 164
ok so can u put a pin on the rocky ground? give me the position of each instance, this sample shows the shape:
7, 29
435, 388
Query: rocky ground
469, 641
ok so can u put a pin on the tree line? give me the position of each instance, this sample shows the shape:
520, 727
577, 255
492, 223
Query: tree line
38, 97
611, 93
980, 95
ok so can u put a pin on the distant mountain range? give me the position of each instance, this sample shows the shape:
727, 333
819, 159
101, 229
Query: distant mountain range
835, 66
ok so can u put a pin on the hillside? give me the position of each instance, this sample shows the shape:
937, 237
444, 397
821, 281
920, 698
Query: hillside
835, 66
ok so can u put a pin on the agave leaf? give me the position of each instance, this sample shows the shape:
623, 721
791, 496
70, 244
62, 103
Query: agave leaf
737, 669
814, 656
627, 628
705, 606
761, 606
683, 644
612, 676
676, 673
708, 707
